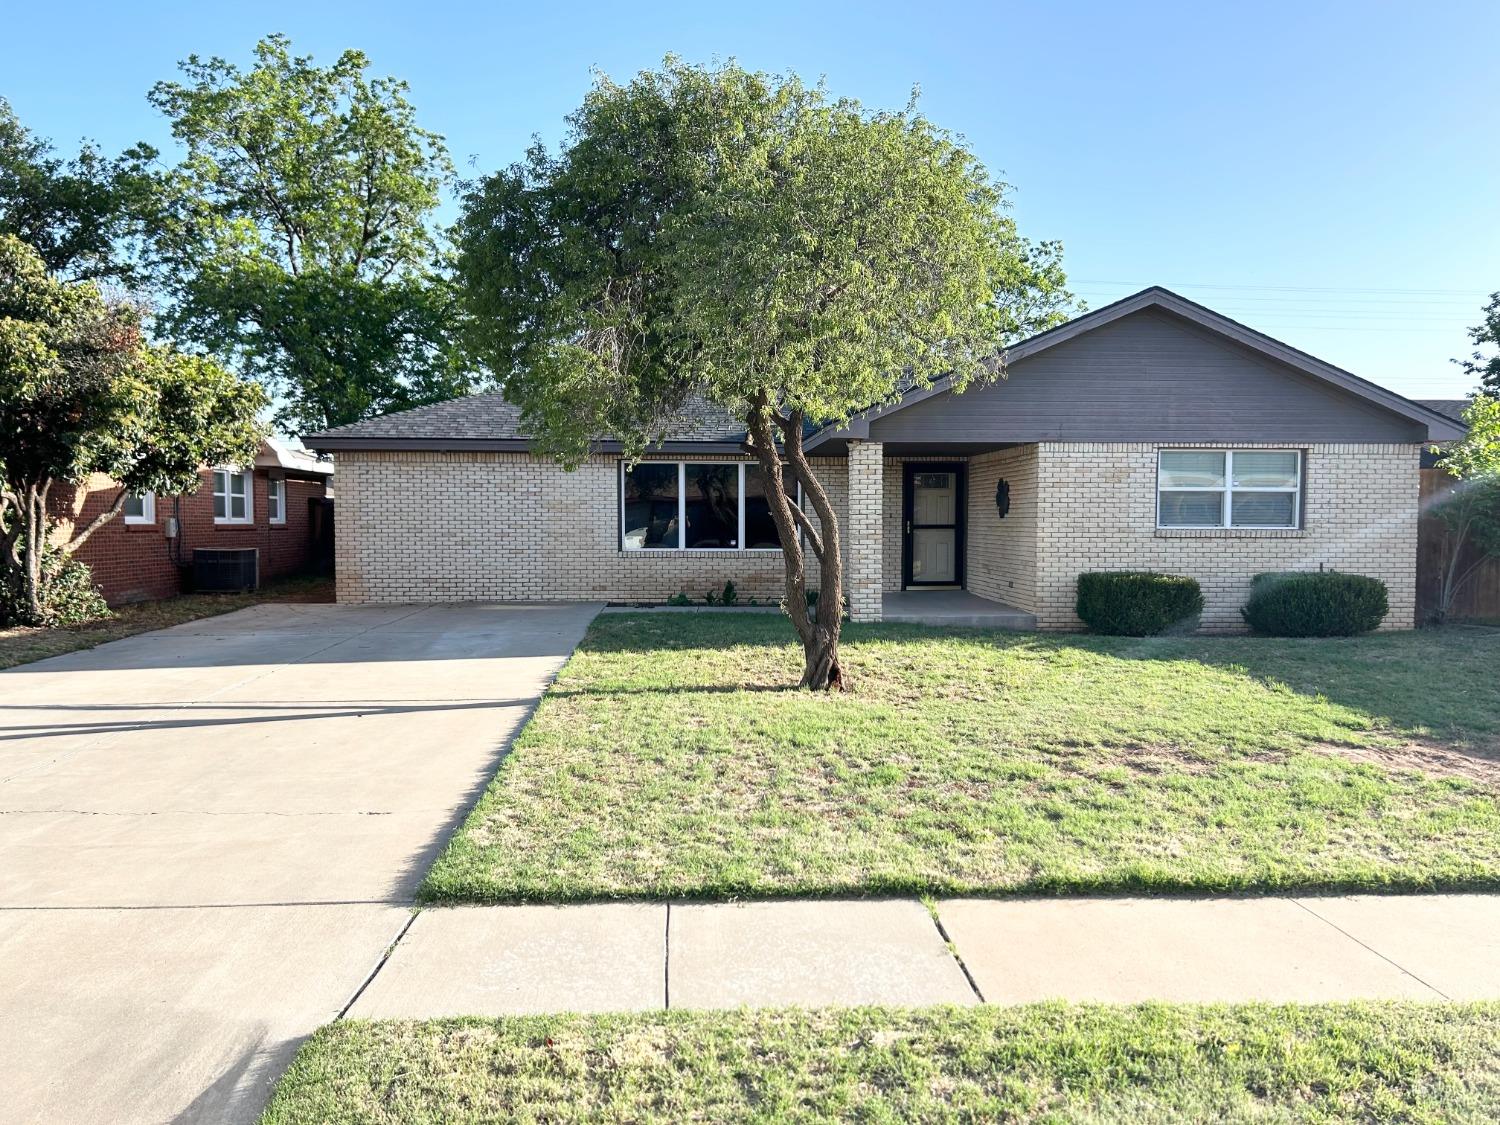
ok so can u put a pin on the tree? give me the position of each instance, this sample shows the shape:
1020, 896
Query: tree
1471, 509
297, 240
82, 393
78, 214
790, 257
1485, 368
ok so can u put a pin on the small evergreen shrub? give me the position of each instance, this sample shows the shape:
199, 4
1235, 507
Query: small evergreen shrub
679, 599
1136, 603
69, 595
1324, 603
731, 595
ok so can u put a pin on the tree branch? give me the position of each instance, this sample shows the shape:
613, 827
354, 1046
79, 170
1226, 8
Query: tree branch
97, 522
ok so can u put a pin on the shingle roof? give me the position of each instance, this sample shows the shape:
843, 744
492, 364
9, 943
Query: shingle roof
1449, 407
490, 418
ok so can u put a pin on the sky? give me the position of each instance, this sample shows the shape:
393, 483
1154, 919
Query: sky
1325, 172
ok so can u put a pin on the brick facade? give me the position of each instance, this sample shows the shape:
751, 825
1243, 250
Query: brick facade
437, 526
455, 526
1096, 511
137, 562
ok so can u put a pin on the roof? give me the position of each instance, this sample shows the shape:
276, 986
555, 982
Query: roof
293, 456
1441, 426
1448, 407
488, 421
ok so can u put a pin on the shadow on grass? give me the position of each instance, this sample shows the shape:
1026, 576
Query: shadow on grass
1441, 684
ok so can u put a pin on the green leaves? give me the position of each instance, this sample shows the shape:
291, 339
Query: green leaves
735, 235
297, 242
1486, 367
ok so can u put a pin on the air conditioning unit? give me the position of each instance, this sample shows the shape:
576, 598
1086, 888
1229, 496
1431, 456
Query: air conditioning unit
225, 572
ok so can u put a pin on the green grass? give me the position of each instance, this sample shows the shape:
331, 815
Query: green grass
1156, 1063
669, 759
22, 644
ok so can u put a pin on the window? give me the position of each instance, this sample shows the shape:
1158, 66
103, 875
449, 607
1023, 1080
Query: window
233, 499
140, 508
276, 501
1229, 488
695, 506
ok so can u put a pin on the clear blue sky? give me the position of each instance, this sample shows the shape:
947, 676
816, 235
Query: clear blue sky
1325, 172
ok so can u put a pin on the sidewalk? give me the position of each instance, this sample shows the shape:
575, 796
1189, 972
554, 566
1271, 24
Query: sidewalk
506, 960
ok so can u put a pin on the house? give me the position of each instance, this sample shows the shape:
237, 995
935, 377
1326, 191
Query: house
1152, 433
143, 552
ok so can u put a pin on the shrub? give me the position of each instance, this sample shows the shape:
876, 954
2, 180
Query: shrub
730, 596
1314, 604
69, 594
679, 599
1136, 603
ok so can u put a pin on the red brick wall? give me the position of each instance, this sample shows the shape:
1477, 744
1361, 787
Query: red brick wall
134, 562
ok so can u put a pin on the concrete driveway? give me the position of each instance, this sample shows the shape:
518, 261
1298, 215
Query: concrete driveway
210, 835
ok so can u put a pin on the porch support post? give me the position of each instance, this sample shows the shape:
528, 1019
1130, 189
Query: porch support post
865, 527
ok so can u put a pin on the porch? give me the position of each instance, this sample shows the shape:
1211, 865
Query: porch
953, 607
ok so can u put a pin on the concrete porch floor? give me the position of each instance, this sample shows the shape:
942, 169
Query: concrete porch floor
953, 607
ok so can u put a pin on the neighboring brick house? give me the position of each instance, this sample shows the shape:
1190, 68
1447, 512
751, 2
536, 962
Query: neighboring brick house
135, 556
1152, 433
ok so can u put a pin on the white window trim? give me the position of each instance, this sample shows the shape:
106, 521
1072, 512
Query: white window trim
276, 488
741, 549
1226, 493
148, 510
249, 476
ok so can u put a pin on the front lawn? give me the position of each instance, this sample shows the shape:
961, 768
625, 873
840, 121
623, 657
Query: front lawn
20, 644
1354, 1062
670, 759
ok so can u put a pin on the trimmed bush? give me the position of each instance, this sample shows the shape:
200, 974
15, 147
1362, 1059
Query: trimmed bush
1325, 603
1136, 603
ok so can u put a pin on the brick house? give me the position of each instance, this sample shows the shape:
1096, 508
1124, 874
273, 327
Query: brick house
1152, 433
141, 554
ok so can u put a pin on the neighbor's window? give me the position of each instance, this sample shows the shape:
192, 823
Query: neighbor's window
1229, 488
695, 506
232, 496
140, 508
276, 501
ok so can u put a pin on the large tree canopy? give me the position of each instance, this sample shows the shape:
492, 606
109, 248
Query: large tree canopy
789, 256
298, 240
82, 393
81, 215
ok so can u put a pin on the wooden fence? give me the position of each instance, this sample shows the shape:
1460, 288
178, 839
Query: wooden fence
1480, 596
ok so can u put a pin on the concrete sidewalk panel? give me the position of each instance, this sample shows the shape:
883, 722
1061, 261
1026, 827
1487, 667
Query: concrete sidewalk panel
1452, 942
809, 954
517, 960
1130, 950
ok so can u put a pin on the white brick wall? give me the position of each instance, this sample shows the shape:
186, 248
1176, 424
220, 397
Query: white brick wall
1096, 511
489, 526
427, 526
1001, 562
864, 532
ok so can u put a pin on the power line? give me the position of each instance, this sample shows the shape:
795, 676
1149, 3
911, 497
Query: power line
1481, 293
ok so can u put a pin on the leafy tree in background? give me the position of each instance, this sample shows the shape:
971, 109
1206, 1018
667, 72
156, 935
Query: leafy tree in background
82, 393
1471, 509
297, 239
1486, 368
788, 256
81, 215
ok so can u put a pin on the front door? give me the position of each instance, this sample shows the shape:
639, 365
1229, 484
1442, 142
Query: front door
932, 546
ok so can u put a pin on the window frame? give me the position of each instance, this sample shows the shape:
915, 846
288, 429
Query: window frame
681, 547
276, 489
148, 510
1227, 490
228, 518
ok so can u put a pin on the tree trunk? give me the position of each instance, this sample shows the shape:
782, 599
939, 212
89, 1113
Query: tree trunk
819, 631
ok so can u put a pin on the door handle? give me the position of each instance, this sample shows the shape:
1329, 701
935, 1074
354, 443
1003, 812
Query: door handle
908, 527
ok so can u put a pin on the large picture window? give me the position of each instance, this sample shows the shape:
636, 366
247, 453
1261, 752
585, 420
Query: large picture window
1245, 488
695, 506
